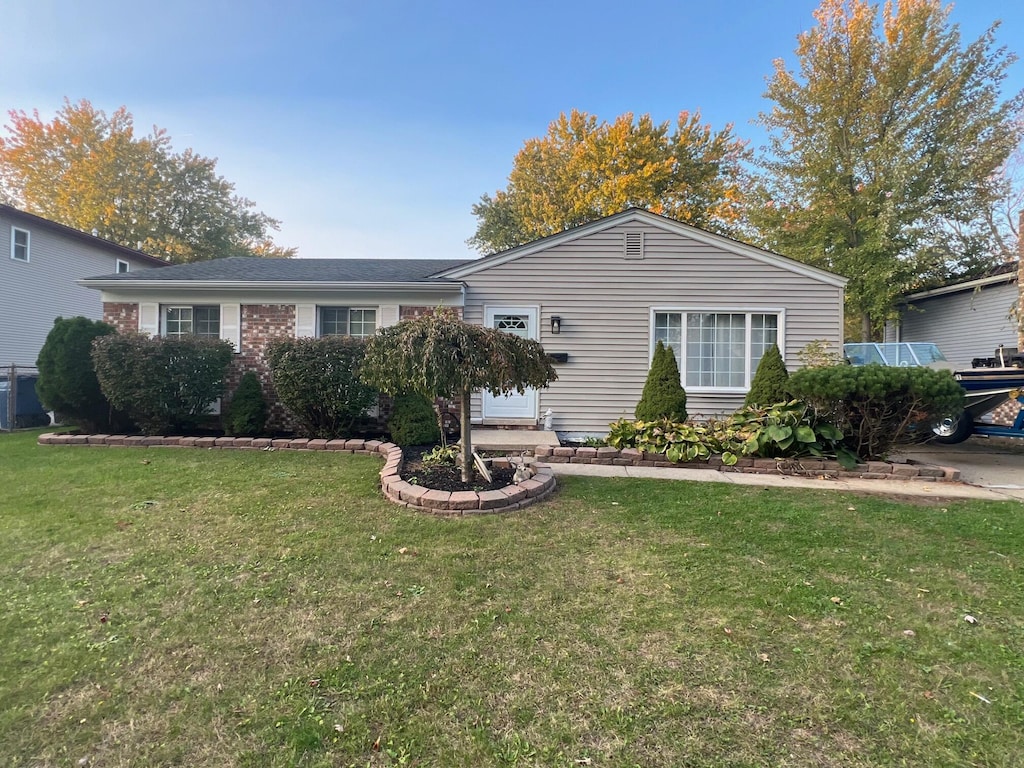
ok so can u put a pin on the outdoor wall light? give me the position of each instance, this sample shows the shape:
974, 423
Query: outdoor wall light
556, 324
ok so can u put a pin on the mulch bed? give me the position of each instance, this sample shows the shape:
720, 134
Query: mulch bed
447, 478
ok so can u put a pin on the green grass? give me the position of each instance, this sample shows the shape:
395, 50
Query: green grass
220, 608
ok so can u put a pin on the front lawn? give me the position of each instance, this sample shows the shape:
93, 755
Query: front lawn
251, 608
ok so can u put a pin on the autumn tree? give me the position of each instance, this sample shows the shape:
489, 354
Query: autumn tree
884, 148
89, 171
584, 169
438, 355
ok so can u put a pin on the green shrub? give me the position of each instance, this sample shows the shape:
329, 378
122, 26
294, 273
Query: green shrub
413, 421
443, 456
877, 406
663, 396
318, 381
164, 384
784, 430
769, 384
246, 414
67, 380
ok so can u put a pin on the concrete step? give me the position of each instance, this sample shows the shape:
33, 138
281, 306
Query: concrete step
511, 439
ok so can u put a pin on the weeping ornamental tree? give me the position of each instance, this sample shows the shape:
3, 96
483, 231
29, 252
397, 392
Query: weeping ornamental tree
438, 355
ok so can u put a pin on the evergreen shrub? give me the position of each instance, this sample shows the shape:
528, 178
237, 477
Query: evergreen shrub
318, 381
663, 396
165, 384
67, 381
413, 421
878, 407
246, 414
769, 384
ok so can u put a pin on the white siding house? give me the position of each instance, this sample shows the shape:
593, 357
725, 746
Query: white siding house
40, 263
598, 297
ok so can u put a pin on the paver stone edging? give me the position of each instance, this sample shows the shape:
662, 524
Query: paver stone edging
806, 467
395, 489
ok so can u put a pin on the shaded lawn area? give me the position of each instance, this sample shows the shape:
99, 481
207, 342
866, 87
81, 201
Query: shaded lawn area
236, 608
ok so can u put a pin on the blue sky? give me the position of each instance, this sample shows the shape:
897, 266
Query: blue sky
371, 128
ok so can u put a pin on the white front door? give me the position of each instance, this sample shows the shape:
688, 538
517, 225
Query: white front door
522, 321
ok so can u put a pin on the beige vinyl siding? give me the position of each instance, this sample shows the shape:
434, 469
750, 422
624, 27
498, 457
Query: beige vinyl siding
605, 304
965, 325
34, 293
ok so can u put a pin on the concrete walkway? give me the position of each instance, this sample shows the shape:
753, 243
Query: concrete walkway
884, 487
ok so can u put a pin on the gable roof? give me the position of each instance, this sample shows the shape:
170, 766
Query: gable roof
642, 216
31, 220
236, 271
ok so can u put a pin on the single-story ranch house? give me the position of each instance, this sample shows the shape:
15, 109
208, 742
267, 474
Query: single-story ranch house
598, 297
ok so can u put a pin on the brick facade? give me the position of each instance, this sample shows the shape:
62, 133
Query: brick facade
124, 317
261, 324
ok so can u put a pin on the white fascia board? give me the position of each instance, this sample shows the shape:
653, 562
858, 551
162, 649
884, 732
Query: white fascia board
654, 220
970, 285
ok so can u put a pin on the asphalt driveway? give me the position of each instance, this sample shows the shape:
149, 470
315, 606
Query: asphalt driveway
996, 463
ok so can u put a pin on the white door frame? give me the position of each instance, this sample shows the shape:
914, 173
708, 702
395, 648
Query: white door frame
513, 406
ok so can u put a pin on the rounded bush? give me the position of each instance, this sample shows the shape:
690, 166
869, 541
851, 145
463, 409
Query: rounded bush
413, 421
67, 379
318, 381
878, 407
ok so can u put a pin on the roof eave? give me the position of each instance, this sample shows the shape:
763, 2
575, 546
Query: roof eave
251, 285
970, 285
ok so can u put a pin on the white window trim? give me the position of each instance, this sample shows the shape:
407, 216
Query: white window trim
748, 311
117, 266
348, 308
28, 245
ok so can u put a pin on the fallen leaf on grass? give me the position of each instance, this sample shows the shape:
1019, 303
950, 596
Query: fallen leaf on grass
837, 600
909, 632
970, 619
763, 658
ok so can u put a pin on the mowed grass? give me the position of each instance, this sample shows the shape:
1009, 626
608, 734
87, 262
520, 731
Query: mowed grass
230, 608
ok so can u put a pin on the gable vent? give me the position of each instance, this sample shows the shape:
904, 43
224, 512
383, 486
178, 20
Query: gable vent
634, 245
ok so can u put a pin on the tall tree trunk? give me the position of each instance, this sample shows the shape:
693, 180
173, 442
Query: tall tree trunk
865, 327
467, 443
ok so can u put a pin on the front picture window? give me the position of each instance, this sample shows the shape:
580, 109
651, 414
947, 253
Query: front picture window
717, 350
347, 321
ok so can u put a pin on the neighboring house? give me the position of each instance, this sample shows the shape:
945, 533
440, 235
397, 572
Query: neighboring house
966, 319
598, 298
40, 264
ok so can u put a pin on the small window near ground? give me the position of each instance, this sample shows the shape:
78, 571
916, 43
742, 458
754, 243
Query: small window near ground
122, 266
19, 244
347, 321
192, 321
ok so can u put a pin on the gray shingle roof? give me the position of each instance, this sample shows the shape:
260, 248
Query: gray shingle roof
257, 270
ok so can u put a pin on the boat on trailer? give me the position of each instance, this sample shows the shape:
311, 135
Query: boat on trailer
990, 382
987, 384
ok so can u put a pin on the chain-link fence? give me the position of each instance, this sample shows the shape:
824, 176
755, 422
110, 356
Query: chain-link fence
19, 405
